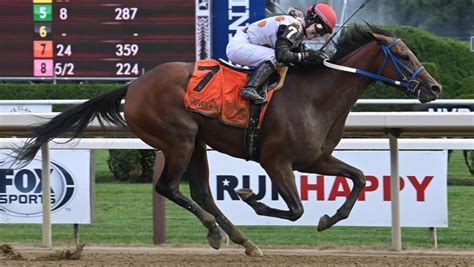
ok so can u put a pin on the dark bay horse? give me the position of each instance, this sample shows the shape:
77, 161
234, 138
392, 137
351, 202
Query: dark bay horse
304, 123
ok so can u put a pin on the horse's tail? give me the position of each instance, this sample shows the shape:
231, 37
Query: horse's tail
106, 108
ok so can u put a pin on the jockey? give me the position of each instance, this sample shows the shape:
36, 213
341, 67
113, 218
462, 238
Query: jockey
277, 40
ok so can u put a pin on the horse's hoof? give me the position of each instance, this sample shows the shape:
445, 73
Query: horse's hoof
215, 238
324, 223
252, 250
245, 193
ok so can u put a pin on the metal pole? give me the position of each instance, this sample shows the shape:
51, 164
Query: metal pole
434, 237
395, 191
46, 187
343, 13
92, 186
159, 212
77, 237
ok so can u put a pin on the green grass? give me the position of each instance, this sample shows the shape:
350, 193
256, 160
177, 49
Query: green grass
124, 217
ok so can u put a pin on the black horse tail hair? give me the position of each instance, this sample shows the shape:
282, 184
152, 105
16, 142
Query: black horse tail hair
106, 108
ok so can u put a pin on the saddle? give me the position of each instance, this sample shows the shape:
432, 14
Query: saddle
213, 91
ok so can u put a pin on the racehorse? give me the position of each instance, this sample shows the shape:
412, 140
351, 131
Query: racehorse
304, 123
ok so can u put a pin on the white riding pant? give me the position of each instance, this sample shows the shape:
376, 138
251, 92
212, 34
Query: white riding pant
241, 51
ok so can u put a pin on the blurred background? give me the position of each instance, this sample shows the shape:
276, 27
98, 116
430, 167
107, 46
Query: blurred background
453, 19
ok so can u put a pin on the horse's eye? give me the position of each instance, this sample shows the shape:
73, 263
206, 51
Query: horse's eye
404, 58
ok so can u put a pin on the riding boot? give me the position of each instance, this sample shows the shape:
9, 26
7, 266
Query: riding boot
255, 80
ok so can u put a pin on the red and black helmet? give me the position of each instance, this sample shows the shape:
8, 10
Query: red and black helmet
323, 15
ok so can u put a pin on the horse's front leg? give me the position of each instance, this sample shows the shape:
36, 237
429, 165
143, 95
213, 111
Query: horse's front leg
334, 166
198, 176
283, 179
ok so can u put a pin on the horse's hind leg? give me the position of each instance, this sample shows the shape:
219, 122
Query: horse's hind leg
283, 179
176, 161
333, 166
198, 176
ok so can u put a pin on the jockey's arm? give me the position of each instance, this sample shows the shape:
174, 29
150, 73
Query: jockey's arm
288, 37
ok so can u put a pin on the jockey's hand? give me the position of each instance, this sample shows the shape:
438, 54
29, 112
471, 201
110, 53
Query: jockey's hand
317, 56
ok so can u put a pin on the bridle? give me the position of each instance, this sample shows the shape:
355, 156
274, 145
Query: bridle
410, 84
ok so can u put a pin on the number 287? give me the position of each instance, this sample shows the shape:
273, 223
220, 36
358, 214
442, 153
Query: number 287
125, 13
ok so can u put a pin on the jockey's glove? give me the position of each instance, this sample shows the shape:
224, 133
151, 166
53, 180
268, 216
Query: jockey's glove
316, 56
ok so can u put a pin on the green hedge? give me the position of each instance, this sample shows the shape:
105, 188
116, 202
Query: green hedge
54, 91
449, 61
132, 165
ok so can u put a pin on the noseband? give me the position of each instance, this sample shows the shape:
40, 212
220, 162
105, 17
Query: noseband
410, 84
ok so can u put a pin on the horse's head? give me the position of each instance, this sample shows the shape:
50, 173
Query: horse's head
400, 63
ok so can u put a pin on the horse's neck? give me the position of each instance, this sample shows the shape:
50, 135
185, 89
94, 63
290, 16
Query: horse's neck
348, 88
365, 58
330, 92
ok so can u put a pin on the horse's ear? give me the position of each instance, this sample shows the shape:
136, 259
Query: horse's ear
382, 38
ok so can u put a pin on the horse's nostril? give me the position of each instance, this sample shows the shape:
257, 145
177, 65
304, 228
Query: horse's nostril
436, 89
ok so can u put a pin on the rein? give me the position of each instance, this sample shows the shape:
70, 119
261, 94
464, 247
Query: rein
410, 84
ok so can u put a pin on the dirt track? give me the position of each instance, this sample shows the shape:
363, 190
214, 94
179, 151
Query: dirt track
233, 256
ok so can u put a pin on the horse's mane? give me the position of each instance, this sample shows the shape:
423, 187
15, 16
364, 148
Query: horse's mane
354, 37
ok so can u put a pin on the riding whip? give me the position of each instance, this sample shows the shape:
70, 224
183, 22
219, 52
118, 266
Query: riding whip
342, 26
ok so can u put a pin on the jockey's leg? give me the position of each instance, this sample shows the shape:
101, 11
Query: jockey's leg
198, 176
335, 167
245, 53
283, 180
255, 80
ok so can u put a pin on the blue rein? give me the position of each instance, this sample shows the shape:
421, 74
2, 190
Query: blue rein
409, 83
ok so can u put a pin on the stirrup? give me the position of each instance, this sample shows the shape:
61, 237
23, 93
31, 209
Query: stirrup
261, 100
251, 94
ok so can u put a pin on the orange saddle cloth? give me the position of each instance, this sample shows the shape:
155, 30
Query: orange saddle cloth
213, 91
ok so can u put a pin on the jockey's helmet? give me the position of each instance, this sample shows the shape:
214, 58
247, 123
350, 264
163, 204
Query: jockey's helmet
322, 16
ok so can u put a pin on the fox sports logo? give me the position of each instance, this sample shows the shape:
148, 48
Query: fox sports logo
21, 191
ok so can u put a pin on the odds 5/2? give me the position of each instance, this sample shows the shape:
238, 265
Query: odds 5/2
64, 69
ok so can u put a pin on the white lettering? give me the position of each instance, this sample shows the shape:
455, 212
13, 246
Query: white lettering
239, 3
242, 15
240, 22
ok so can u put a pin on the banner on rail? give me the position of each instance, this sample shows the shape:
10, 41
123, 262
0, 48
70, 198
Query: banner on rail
21, 189
423, 195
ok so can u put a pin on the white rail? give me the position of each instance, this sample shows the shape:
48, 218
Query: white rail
363, 124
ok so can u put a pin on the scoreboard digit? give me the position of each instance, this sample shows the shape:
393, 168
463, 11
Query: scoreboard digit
42, 12
43, 67
42, 30
43, 49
